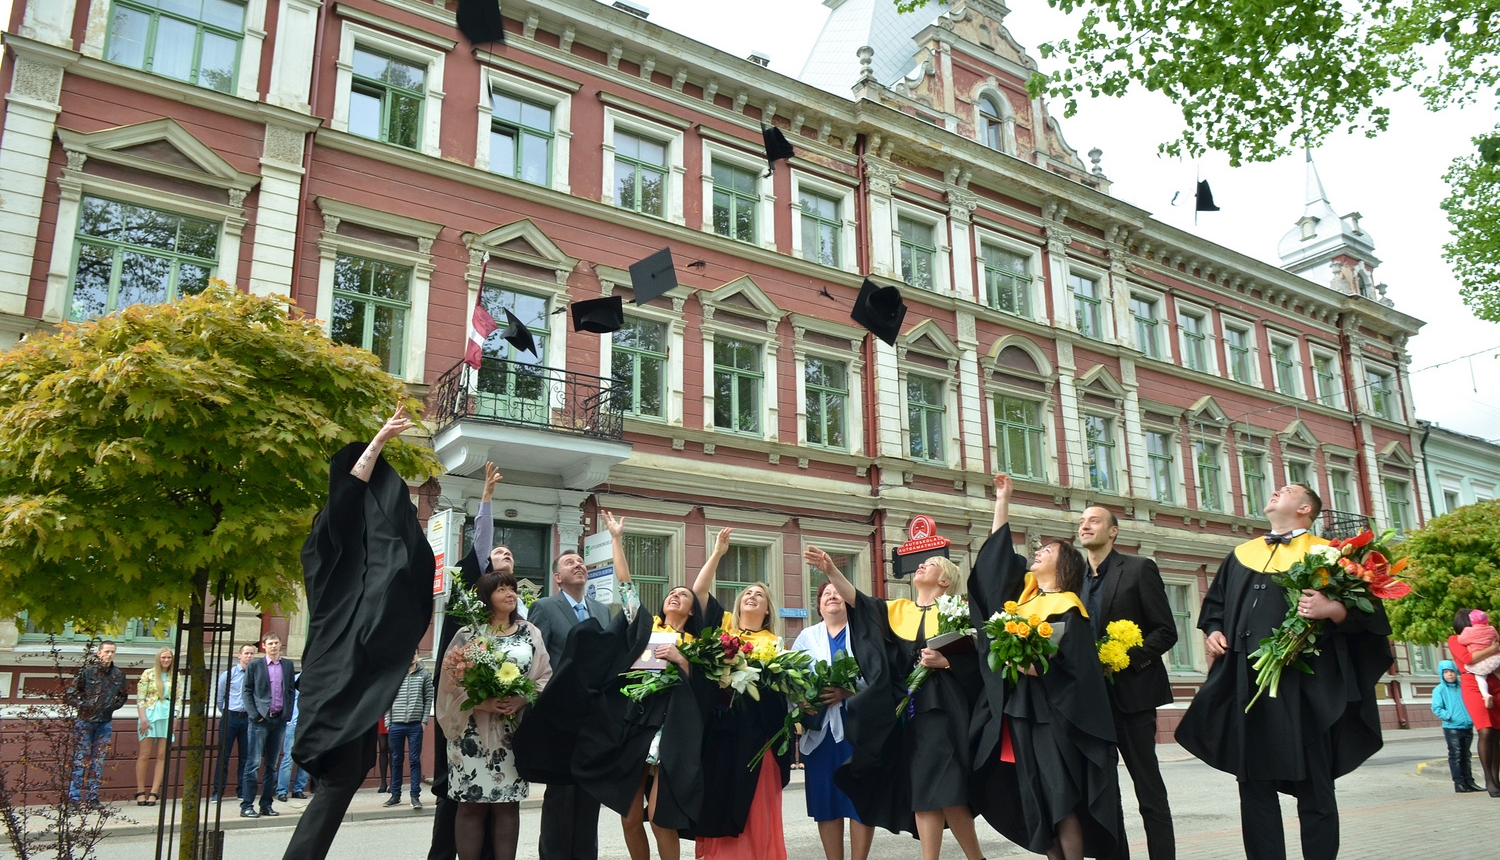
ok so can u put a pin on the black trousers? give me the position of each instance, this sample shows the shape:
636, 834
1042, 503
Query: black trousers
1460, 764
1317, 810
570, 824
347, 766
1136, 736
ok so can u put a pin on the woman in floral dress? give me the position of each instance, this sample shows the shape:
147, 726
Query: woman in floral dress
482, 775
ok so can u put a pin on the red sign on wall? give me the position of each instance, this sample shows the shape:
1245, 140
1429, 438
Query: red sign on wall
925, 543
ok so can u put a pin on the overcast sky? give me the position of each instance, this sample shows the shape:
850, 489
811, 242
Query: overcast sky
1395, 181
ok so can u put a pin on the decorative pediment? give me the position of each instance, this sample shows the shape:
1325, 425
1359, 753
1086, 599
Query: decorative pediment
740, 296
522, 245
1395, 455
1018, 354
160, 146
1297, 433
928, 338
1098, 380
1206, 411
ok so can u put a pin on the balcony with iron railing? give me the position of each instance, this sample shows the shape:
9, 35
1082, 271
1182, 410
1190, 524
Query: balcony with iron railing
528, 418
1333, 525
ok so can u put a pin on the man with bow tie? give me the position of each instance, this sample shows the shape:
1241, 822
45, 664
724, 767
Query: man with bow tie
1320, 725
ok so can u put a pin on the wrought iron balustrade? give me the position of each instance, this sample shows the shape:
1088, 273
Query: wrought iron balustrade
530, 395
1332, 525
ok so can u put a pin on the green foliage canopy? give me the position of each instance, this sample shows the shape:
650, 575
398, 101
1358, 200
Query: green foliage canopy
1455, 564
164, 446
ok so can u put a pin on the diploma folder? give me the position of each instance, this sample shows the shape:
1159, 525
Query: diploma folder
648, 659
952, 643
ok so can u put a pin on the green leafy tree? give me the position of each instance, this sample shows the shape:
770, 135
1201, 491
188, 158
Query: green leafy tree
1256, 79
165, 453
1455, 564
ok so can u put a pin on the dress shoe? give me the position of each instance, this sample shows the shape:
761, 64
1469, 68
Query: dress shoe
1460, 788
281, 798
249, 813
298, 795
1474, 786
269, 811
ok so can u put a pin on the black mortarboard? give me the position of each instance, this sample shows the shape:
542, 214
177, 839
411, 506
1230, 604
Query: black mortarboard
1205, 201
518, 334
600, 316
777, 146
880, 310
652, 277
480, 21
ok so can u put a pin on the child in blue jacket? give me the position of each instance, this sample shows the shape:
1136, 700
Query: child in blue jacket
1458, 728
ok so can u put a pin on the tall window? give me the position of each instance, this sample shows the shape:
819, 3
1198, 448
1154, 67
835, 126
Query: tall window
1254, 467
648, 557
1238, 342
1296, 473
1450, 501
827, 386
1338, 480
990, 124
821, 229
918, 252
1099, 436
1086, 306
385, 99
1160, 457
1327, 380
1210, 481
1382, 398
370, 302
1397, 506
737, 385
735, 199
197, 41
1144, 311
1282, 355
1179, 597
520, 139
1018, 437
640, 174
1194, 341
740, 566
638, 363
131, 255
516, 386
1007, 281
924, 409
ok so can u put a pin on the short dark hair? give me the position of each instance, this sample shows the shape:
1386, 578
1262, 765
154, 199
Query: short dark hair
1312, 496
1461, 621
109, 642
562, 555
270, 634
486, 589
818, 597
1071, 566
1114, 523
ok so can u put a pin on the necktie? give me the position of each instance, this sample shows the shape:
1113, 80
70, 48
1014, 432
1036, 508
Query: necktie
1273, 538
582, 614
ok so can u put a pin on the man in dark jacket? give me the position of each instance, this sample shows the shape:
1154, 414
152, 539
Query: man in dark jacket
97, 691
1129, 587
570, 817
268, 697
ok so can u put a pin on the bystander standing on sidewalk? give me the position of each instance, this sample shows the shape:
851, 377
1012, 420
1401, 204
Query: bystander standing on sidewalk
1458, 727
406, 717
284, 779
98, 690
234, 731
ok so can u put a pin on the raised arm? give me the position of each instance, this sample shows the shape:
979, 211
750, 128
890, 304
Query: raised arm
1003, 488
824, 564
617, 545
704, 584
396, 425
484, 517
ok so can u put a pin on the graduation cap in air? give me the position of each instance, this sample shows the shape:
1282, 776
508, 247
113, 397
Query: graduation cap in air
653, 277
880, 310
518, 334
600, 316
778, 148
480, 21
1205, 198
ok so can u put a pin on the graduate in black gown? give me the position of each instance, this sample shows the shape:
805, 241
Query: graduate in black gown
1320, 725
368, 570
585, 732
909, 772
1045, 757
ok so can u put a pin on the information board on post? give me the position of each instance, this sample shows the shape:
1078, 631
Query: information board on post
439, 528
598, 548
601, 584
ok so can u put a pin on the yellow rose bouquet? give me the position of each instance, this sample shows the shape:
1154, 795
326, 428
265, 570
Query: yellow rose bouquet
1018, 642
1114, 649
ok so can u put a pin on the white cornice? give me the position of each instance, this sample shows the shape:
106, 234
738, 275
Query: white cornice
405, 31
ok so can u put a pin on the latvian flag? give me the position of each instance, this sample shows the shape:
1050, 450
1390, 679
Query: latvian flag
483, 326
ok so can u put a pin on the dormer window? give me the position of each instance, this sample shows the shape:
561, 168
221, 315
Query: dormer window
990, 128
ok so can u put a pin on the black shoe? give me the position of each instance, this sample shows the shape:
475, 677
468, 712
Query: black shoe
383, 789
269, 811
247, 812
94, 805
392, 800
416, 804
1460, 788
298, 795
1474, 786
281, 798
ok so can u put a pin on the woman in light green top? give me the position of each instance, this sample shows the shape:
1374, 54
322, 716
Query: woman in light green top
153, 698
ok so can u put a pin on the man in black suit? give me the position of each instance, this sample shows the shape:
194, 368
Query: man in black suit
570, 817
1128, 586
268, 696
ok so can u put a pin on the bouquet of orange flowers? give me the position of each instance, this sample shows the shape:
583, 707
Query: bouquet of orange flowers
1018, 642
1356, 572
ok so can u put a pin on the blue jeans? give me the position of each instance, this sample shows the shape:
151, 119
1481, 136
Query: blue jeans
284, 774
90, 743
234, 733
265, 741
404, 737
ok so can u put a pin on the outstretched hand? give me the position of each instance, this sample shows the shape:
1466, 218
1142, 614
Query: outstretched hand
1004, 486
492, 477
616, 526
721, 543
397, 424
819, 559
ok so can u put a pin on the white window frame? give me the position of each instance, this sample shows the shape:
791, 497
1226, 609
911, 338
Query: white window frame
1046, 413
772, 542
492, 80
1037, 297
1226, 489
615, 118
331, 244
1117, 430
1408, 497
352, 35
1293, 345
848, 226
1163, 321
252, 42
769, 377
1288, 460
952, 444
1338, 387
855, 368
676, 326
1100, 277
1261, 449
765, 206
1179, 477
1007, 120
1348, 473
1194, 638
1252, 337
1368, 400
942, 281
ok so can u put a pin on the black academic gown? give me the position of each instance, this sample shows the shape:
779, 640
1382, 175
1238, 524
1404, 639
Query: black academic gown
906, 763
1336, 701
1061, 729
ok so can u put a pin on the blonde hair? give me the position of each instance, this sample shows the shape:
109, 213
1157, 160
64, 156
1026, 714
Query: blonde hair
957, 579
770, 622
155, 670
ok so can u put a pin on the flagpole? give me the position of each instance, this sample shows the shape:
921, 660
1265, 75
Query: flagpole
1197, 177
484, 267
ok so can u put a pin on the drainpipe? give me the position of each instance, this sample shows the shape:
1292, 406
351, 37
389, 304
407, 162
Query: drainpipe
1427, 472
1367, 501
307, 150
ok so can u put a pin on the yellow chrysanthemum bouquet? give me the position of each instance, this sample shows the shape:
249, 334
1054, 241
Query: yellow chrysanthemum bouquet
1018, 642
1114, 649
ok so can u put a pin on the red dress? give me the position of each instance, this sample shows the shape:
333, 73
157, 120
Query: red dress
1483, 719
